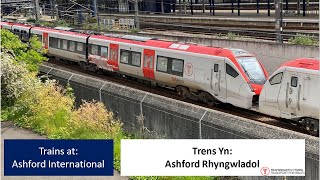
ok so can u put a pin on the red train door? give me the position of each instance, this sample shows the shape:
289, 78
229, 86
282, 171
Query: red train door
148, 63
45, 40
113, 57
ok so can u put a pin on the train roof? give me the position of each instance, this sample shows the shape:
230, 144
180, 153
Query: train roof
58, 31
215, 51
6, 23
305, 63
22, 25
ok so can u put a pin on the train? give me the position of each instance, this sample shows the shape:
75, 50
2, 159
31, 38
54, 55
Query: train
292, 92
212, 75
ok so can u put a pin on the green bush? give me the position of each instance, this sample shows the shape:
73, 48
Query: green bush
31, 54
14, 80
31, 20
92, 20
134, 30
231, 36
304, 40
61, 23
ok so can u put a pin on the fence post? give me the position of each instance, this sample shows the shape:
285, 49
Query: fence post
200, 133
70, 77
100, 95
49, 71
141, 113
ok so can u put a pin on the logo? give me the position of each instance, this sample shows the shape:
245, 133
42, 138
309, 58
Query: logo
189, 69
264, 171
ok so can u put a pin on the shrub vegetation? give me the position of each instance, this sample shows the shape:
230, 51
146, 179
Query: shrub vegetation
304, 40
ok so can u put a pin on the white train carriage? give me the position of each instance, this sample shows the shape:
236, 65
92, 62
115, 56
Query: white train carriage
212, 74
6, 25
22, 31
292, 92
63, 44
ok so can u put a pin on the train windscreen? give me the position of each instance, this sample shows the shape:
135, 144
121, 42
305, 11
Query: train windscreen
253, 69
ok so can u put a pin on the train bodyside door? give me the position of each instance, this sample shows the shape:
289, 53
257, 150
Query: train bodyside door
291, 95
148, 63
113, 57
218, 83
270, 93
45, 40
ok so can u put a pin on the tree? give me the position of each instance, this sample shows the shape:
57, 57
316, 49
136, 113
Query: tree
32, 53
13, 80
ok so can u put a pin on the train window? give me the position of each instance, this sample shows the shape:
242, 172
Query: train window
216, 68
59, 43
162, 64
145, 62
40, 38
151, 62
136, 59
54, 42
72, 46
276, 79
104, 52
294, 81
79, 46
177, 65
114, 54
124, 57
65, 44
94, 50
230, 71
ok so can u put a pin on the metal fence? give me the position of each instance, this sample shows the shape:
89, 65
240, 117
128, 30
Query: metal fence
155, 116
193, 7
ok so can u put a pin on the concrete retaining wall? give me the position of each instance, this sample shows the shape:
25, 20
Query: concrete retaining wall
167, 118
271, 55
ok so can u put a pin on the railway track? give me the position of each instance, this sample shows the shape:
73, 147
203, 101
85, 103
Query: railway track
249, 114
243, 31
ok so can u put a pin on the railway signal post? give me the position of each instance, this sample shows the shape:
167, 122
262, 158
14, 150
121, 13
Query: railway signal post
278, 16
37, 9
136, 14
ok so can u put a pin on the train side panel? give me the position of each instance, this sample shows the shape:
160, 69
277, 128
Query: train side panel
298, 94
199, 73
6, 25
238, 91
131, 60
98, 53
69, 47
22, 31
291, 93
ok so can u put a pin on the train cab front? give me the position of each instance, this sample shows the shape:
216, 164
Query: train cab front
255, 73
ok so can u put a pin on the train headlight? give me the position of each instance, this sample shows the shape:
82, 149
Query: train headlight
250, 86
